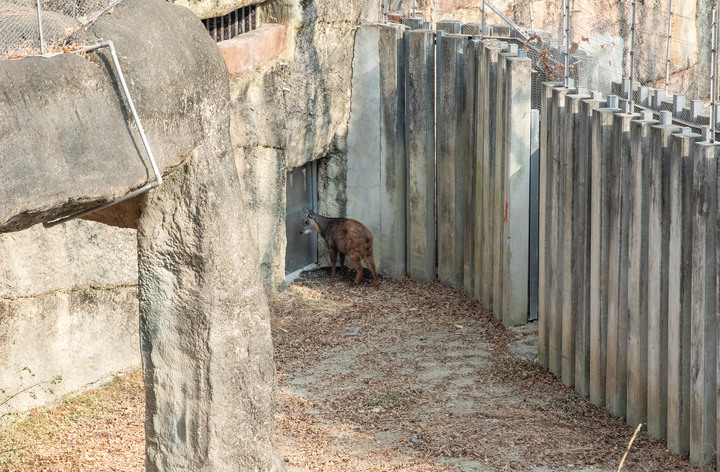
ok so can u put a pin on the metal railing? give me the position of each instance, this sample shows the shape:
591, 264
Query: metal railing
126, 92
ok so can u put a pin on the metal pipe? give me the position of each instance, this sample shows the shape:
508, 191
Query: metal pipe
566, 40
482, 20
513, 25
40, 27
126, 91
532, 24
158, 177
80, 214
631, 95
713, 75
667, 54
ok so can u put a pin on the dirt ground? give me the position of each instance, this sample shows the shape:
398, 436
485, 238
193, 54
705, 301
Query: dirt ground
417, 377
411, 377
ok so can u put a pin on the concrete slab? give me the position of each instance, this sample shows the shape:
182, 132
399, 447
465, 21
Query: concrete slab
638, 203
703, 321
452, 154
599, 244
658, 247
581, 241
679, 291
618, 216
572, 278
517, 191
376, 145
420, 146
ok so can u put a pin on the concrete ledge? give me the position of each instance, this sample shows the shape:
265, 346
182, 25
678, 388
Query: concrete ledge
249, 50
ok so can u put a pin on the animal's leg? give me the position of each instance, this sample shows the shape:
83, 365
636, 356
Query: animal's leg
370, 262
333, 258
342, 263
358, 269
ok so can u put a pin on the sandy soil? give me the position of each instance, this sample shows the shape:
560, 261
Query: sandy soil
418, 377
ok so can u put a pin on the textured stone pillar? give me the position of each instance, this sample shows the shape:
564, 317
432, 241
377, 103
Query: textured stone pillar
204, 321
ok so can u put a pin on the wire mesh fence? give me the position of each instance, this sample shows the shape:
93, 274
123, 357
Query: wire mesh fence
32, 27
668, 44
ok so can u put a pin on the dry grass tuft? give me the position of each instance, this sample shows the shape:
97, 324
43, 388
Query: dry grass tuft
98, 430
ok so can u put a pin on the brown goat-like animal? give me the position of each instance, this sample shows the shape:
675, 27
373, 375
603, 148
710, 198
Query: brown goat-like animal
344, 237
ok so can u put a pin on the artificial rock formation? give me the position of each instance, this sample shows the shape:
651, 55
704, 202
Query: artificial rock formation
67, 143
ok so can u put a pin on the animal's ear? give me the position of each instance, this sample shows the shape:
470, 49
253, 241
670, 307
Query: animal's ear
306, 212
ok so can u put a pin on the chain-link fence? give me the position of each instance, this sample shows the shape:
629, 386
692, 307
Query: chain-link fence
32, 27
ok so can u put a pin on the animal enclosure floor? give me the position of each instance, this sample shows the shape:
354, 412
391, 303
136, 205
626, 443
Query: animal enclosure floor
417, 377
411, 377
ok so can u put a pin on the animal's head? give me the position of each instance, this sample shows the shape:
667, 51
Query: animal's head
308, 222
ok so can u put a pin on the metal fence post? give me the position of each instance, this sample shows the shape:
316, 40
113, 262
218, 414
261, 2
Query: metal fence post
713, 75
669, 36
482, 20
532, 23
40, 28
631, 96
566, 40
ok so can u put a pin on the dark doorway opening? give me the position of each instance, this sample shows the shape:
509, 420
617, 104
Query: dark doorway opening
301, 193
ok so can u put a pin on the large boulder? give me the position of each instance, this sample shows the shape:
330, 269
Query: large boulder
67, 139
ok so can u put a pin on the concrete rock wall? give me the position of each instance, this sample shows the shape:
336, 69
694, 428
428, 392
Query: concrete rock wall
67, 142
69, 294
291, 111
68, 307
